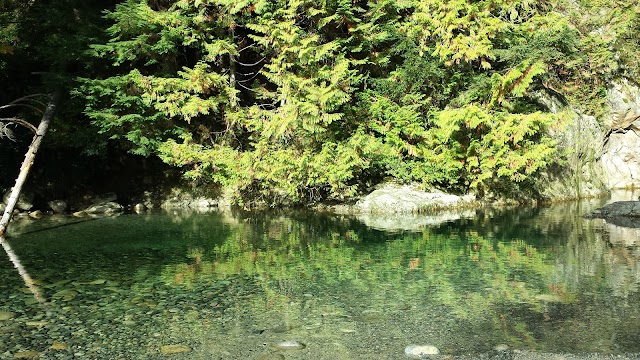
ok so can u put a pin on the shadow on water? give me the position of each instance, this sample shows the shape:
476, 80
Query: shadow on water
231, 285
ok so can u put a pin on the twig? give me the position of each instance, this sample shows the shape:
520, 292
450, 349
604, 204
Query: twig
32, 98
24, 123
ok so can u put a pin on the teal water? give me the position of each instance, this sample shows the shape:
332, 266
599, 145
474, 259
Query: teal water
231, 286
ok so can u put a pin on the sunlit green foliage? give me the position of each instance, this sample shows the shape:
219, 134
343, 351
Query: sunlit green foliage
296, 100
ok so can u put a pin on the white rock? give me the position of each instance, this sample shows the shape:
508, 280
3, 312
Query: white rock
501, 347
392, 198
139, 208
289, 345
419, 351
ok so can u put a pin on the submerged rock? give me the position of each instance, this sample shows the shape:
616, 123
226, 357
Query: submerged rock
174, 349
271, 356
65, 295
289, 345
58, 346
6, 315
420, 351
29, 354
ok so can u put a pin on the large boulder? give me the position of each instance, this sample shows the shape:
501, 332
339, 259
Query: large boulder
100, 205
58, 206
25, 200
108, 208
393, 198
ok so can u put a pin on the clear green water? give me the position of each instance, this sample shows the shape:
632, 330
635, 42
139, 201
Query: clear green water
229, 286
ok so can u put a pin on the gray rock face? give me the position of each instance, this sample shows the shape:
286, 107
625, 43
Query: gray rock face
601, 157
407, 199
620, 157
624, 102
583, 175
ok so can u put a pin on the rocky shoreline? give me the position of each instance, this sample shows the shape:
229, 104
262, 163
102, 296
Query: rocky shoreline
389, 207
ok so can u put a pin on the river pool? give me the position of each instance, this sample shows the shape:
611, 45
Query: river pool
236, 285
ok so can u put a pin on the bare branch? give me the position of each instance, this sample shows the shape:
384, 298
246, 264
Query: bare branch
29, 98
22, 105
5, 132
24, 123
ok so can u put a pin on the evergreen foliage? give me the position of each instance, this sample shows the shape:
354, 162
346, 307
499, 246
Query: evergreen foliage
298, 100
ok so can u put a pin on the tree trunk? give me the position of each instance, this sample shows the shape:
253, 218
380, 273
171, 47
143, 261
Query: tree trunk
29, 158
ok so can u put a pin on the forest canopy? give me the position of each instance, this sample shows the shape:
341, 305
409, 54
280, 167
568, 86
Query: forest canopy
309, 100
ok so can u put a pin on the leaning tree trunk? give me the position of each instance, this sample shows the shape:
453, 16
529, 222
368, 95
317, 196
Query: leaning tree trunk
29, 158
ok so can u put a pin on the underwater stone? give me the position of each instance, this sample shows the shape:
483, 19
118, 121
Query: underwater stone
418, 351
501, 347
271, 356
174, 349
6, 315
65, 295
289, 345
29, 354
